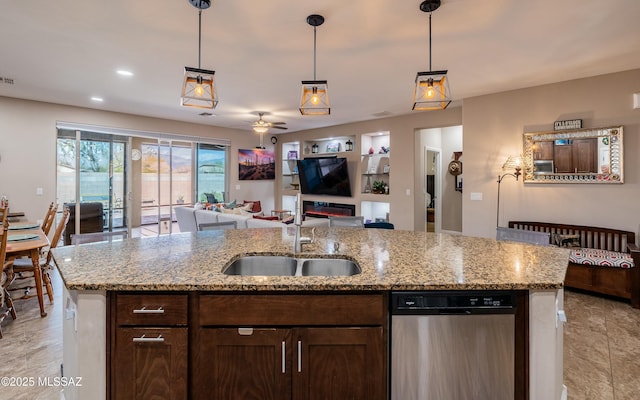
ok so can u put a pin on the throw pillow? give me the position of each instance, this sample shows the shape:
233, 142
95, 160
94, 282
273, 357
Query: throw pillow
231, 205
566, 240
256, 205
271, 218
247, 207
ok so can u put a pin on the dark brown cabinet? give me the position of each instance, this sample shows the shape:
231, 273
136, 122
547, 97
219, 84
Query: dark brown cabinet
149, 347
280, 346
543, 150
299, 347
576, 156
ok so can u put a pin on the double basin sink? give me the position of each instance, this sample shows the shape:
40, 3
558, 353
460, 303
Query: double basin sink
266, 265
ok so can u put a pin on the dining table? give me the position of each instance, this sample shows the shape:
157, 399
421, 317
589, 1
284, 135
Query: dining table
27, 239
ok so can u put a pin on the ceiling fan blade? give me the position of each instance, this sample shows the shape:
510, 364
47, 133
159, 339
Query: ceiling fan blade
279, 127
277, 123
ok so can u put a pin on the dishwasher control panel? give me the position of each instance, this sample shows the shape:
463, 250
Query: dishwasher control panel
453, 302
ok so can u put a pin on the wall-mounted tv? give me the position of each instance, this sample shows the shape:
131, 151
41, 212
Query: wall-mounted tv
324, 175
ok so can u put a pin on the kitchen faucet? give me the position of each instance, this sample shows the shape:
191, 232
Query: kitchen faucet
297, 221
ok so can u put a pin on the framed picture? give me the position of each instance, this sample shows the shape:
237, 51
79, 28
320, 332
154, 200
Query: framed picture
256, 164
333, 147
292, 155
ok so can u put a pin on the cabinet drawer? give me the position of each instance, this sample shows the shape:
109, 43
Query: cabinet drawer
279, 310
151, 309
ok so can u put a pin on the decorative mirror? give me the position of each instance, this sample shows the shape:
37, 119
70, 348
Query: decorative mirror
574, 156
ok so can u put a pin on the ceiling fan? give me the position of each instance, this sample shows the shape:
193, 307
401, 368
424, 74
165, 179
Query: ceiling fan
262, 126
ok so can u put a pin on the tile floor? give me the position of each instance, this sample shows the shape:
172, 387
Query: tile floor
601, 348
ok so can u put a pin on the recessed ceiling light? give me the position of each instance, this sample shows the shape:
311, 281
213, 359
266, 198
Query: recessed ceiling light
97, 99
123, 72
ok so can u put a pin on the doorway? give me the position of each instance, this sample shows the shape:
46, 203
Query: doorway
91, 171
432, 190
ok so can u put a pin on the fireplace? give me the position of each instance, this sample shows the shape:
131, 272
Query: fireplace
322, 209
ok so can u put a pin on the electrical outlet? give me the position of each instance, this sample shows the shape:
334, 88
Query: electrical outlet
475, 196
39, 191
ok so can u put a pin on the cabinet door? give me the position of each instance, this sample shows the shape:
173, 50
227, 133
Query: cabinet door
150, 363
585, 155
562, 159
244, 363
339, 363
543, 150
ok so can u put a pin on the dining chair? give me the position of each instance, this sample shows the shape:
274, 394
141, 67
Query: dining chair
216, 226
49, 217
7, 276
347, 221
93, 237
22, 266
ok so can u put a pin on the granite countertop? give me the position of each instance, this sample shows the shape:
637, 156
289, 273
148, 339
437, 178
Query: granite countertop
390, 260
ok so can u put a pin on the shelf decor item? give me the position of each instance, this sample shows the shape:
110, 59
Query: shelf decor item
378, 187
292, 155
314, 148
333, 147
348, 146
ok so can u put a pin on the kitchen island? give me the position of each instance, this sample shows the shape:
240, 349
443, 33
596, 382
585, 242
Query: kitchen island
99, 277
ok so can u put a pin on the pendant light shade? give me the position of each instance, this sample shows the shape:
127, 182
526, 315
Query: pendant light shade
315, 97
198, 87
432, 87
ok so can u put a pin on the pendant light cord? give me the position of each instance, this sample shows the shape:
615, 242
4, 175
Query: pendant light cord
430, 42
200, 35
314, 53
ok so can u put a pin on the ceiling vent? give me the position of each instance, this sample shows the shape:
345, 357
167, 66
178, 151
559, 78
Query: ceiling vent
206, 114
382, 114
8, 81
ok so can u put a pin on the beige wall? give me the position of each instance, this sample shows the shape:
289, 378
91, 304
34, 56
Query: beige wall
493, 128
28, 150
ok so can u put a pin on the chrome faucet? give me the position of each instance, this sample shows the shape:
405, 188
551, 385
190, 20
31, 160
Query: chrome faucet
297, 221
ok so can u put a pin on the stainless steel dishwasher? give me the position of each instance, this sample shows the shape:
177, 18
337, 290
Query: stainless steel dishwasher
453, 345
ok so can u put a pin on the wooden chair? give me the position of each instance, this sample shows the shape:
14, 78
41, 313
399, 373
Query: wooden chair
7, 275
216, 226
80, 238
49, 217
23, 266
353, 221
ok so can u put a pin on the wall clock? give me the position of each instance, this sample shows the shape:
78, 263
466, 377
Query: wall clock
136, 154
274, 139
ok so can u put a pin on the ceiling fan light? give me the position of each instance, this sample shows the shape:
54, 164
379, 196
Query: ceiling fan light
260, 128
199, 89
432, 91
315, 98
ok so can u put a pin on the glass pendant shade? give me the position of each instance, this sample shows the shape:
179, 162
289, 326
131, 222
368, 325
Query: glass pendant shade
199, 89
315, 98
260, 129
432, 91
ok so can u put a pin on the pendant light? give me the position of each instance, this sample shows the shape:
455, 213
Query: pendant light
199, 89
315, 100
432, 88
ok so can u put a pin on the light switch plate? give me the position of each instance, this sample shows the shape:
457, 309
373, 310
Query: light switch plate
636, 100
476, 196
39, 191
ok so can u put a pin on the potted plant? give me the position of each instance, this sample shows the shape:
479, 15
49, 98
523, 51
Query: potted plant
180, 199
378, 187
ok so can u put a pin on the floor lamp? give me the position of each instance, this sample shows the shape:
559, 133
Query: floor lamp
513, 162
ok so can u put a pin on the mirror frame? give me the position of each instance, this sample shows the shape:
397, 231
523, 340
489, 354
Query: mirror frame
612, 137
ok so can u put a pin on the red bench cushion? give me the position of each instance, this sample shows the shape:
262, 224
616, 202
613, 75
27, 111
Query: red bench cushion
603, 258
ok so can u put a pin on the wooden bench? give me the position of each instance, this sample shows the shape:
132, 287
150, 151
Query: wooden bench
613, 281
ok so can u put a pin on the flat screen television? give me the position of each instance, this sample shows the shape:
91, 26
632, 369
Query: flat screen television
324, 175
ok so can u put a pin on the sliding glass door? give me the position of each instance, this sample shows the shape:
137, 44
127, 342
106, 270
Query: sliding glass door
91, 171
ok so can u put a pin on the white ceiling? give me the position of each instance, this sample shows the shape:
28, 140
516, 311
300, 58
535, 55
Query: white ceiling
66, 51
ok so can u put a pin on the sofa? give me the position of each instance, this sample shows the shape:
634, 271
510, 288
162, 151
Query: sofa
602, 260
189, 218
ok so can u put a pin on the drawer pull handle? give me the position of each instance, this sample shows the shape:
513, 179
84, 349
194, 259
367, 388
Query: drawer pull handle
299, 355
146, 339
144, 310
284, 357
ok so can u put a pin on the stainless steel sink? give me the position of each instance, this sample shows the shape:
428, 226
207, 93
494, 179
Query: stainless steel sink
262, 266
329, 267
265, 265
